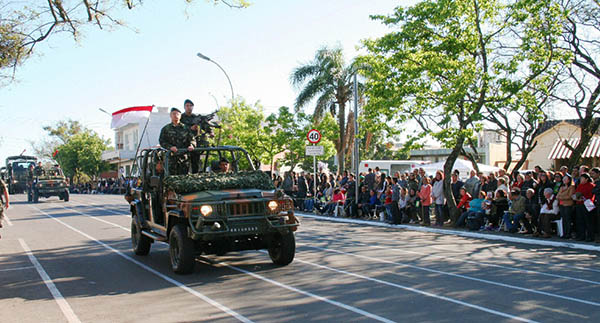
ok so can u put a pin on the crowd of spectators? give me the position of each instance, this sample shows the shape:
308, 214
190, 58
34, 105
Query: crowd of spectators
539, 203
102, 186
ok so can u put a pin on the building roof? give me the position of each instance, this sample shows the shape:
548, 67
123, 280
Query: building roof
560, 151
549, 124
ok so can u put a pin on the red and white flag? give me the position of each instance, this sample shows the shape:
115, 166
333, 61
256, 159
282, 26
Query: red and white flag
130, 115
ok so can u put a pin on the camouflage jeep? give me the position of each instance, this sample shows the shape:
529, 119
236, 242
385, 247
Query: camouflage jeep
212, 212
51, 182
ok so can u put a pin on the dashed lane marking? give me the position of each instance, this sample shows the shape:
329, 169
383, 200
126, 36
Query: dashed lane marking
60, 300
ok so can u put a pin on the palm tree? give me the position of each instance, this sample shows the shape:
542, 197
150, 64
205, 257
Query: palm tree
329, 79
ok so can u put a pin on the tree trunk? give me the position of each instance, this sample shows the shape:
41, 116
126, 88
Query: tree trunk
521, 162
454, 212
508, 151
342, 125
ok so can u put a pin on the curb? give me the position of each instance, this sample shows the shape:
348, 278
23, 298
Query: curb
547, 243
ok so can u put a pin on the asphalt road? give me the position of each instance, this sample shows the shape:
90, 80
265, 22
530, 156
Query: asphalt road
73, 262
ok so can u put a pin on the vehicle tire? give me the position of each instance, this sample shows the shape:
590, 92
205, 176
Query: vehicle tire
283, 249
141, 243
36, 197
66, 196
181, 250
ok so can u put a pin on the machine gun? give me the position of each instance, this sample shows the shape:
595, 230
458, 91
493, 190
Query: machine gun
205, 128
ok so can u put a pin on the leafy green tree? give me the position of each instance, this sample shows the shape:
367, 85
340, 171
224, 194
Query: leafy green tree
263, 137
242, 125
447, 62
23, 25
58, 134
329, 79
80, 155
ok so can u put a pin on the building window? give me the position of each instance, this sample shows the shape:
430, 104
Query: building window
127, 142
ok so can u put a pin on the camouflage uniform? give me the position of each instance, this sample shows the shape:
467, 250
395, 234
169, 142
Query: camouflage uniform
181, 137
3, 189
189, 120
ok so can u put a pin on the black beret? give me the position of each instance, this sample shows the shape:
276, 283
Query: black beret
188, 101
175, 109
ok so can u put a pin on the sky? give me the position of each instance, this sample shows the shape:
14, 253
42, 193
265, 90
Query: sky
153, 61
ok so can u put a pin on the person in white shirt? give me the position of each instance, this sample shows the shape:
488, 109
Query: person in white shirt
548, 212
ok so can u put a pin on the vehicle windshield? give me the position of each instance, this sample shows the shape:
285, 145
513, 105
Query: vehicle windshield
211, 160
52, 172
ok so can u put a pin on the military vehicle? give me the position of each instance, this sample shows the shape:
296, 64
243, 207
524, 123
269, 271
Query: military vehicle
212, 212
49, 181
17, 172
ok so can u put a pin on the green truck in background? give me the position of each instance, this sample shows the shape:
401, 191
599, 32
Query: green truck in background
218, 210
17, 168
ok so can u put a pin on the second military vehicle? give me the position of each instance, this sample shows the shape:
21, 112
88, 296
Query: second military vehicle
49, 181
227, 206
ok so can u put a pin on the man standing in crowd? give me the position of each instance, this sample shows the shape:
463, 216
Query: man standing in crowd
396, 216
350, 204
370, 180
174, 136
473, 184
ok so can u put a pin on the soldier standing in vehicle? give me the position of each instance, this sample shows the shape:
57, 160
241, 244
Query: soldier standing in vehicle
176, 136
4, 202
188, 118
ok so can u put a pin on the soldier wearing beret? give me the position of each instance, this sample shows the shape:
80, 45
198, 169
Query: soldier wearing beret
176, 136
188, 118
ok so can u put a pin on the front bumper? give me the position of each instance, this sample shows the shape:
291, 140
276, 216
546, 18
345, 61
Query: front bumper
209, 229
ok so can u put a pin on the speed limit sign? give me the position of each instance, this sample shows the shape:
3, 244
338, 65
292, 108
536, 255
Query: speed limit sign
313, 136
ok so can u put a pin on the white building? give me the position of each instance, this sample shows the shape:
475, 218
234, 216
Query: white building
127, 138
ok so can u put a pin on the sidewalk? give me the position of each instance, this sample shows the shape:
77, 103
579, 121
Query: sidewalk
502, 236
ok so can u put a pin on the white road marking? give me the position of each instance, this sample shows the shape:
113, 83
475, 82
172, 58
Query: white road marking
97, 219
568, 266
477, 235
458, 276
469, 261
7, 219
17, 268
210, 301
321, 298
418, 291
62, 303
311, 295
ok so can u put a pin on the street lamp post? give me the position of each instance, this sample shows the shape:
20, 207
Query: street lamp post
219, 66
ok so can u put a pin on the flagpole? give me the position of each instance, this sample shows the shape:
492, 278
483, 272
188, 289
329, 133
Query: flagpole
137, 149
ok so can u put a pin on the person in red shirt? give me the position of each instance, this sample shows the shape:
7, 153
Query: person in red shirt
465, 198
426, 200
338, 199
584, 219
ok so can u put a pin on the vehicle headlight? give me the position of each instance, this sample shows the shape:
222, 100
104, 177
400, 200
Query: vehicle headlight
206, 210
272, 205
